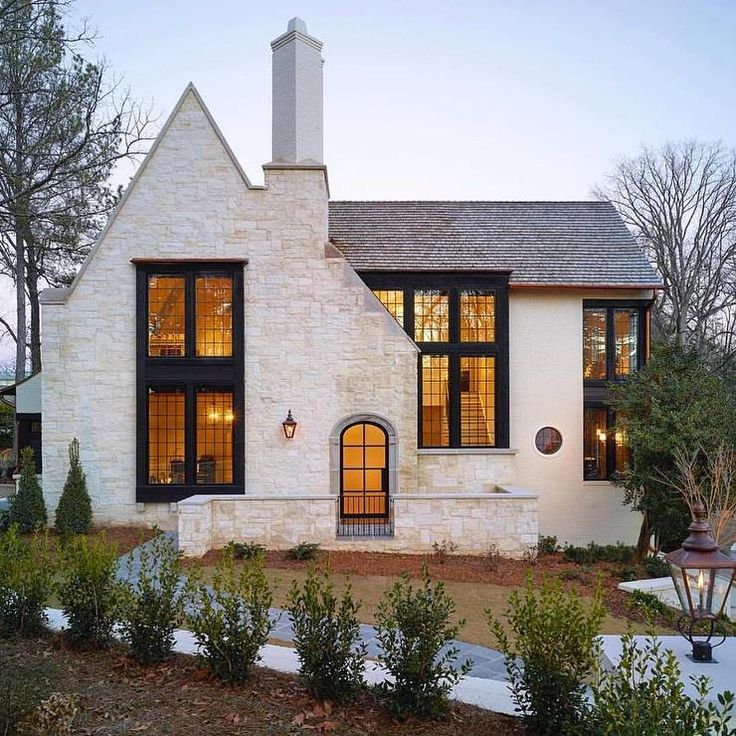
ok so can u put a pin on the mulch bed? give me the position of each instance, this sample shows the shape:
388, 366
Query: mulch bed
116, 696
470, 568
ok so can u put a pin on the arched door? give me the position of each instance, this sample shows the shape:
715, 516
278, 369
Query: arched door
364, 471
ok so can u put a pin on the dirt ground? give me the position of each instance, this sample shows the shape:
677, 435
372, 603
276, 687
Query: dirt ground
499, 574
116, 697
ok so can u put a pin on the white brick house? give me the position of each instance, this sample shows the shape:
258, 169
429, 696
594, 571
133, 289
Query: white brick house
445, 362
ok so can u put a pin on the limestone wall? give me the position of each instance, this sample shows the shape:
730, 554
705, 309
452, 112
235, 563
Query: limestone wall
472, 521
466, 470
316, 340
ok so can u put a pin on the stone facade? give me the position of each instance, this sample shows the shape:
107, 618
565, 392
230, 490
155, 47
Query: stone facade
474, 522
316, 340
467, 470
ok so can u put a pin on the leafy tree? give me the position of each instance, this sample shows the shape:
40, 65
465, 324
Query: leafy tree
674, 403
74, 512
27, 507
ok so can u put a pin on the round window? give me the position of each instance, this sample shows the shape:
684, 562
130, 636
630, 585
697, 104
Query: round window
548, 440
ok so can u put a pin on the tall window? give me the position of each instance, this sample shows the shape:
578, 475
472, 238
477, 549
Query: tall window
613, 348
364, 471
393, 300
190, 380
460, 324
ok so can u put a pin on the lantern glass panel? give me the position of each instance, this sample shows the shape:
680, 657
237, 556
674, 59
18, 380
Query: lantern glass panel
702, 591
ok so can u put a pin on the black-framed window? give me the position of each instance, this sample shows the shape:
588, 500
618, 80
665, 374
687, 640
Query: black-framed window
460, 323
615, 339
190, 380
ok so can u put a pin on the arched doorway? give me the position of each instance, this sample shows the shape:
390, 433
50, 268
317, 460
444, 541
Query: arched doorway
364, 471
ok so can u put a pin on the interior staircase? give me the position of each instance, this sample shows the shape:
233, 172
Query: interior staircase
473, 420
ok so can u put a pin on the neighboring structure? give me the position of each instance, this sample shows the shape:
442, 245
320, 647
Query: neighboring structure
26, 398
437, 357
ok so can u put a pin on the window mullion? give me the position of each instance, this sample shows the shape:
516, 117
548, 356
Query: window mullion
454, 399
190, 328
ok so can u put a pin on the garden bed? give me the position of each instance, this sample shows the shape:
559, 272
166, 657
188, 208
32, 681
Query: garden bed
116, 697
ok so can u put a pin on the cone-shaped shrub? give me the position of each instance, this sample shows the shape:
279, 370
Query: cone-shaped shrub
27, 508
74, 512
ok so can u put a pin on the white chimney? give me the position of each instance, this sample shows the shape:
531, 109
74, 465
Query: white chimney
297, 96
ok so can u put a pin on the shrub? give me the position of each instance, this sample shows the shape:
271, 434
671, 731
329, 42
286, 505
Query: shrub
245, 550
74, 512
443, 549
655, 567
555, 647
27, 507
26, 582
89, 592
547, 545
304, 551
492, 557
645, 696
649, 604
413, 628
152, 605
598, 553
230, 620
326, 637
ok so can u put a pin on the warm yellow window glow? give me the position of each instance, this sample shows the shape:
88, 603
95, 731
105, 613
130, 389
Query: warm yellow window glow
623, 451
477, 316
435, 399
214, 436
165, 315
393, 300
364, 490
214, 315
165, 437
431, 315
594, 344
594, 444
477, 400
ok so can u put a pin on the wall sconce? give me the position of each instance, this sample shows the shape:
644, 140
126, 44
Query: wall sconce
289, 425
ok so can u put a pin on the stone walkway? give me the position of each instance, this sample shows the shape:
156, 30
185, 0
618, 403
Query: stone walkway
487, 663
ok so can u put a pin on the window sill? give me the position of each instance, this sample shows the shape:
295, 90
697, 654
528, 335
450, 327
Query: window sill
466, 451
173, 494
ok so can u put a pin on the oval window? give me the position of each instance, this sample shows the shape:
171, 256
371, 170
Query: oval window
548, 440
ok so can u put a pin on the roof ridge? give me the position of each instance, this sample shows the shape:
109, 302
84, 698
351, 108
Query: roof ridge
472, 201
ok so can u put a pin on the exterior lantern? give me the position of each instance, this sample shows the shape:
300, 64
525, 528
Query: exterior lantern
289, 425
704, 578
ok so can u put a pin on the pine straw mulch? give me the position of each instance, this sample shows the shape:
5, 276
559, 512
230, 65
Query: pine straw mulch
116, 697
472, 568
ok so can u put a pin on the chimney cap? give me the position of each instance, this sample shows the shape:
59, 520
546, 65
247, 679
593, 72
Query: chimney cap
297, 24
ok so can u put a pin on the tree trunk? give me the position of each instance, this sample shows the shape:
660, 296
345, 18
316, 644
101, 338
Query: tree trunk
645, 534
32, 284
20, 305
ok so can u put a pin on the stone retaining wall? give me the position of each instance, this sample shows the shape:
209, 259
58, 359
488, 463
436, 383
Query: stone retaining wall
507, 519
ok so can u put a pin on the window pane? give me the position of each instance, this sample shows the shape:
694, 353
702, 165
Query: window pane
431, 316
435, 424
594, 444
626, 333
214, 436
353, 435
477, 316
352, 457
477, 400
214, 304
165, 315
623, 451
165, 436
393, 300
594, 344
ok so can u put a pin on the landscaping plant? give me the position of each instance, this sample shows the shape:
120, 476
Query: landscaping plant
547, 545
27, 507
598, 553
152, 604
74, 512
414, 630
89, 592
304, 551
645, 696
230, 618
245, 550
326, 637
443, 549
26, 582
553, 649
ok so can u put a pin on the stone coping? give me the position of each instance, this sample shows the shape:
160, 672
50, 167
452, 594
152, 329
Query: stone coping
505, 493
467, 451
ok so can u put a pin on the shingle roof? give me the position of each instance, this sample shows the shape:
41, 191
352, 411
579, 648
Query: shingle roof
545, 243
